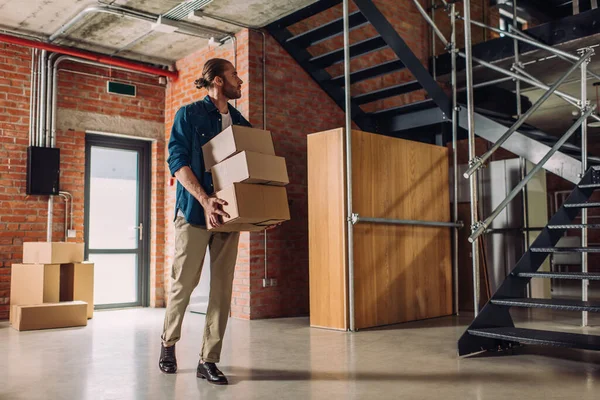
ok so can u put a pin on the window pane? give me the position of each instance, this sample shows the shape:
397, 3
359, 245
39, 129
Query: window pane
113, 199
115, 278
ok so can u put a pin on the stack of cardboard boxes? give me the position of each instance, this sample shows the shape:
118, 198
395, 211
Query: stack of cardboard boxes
53, 288
249, 177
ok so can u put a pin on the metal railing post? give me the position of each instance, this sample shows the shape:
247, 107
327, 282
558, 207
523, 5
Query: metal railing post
453, 50
431, 23
478, 162
516, 49
482, 226
471, 125
348, 142
584, 211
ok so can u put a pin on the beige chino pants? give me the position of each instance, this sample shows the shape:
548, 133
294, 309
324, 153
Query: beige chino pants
190, 248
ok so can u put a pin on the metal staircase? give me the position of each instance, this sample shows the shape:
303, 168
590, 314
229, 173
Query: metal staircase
494, 329
393, 121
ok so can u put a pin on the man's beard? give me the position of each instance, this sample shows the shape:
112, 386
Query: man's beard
231, 92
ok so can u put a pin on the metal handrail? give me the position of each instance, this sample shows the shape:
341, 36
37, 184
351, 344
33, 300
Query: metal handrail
573, 103
525, 40
478, 162
358, 219
482, 226
526, 36
430, 22
517, 76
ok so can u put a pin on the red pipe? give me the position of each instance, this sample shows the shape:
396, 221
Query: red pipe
89, 56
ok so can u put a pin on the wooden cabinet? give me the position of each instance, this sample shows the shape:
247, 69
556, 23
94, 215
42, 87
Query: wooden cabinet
401, 273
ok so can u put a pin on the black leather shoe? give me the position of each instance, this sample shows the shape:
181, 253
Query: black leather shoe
168, 361
211, 373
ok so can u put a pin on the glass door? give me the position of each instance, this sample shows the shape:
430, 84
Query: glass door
116, 219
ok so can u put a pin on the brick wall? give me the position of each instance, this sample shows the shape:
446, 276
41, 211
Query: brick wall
22, 217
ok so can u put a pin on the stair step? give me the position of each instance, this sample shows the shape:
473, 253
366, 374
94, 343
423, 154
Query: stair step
387, 92
574, 226
357, 49
565, 249
582, 205
405, 109
371, 72
553, 304
304, 13
327, 31
561, 275
538, 337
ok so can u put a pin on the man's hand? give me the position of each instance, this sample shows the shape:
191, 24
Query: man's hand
270, 227
212, 208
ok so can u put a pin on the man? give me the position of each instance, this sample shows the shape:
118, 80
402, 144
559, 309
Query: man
194, 125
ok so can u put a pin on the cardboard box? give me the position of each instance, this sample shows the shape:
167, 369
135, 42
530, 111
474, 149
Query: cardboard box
234, 140
77, 283
34, 284
48, 316
52, 252
258, 205
250, 167
239, 228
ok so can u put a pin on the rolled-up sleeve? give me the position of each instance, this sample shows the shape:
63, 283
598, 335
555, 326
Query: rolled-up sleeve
180, 143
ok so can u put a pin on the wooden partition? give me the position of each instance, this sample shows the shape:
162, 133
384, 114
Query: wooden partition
402, 273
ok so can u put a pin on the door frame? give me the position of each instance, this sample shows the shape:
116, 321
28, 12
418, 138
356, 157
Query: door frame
145, 183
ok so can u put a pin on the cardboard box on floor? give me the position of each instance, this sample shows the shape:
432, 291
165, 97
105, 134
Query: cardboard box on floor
49, 315
252, 207
250, 167
234, 140
52, 252
34, 284
77, 283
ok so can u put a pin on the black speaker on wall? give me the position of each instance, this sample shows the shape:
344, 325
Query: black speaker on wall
43, 170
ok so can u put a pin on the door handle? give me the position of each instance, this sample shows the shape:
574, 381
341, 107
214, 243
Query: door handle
140, 228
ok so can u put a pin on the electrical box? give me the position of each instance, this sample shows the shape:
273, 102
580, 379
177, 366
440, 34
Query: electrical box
43, 170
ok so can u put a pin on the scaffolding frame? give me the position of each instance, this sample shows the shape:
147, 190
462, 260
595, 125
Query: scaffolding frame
518, 74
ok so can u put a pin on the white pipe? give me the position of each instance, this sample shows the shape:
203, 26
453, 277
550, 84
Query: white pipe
49, 97
66, 198
43, 104
49, 223
32, 96
183, 27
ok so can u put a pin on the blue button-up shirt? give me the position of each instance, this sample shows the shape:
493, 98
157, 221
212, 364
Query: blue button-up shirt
194, 125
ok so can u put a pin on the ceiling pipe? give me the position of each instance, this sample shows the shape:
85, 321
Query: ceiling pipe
182, 27
87, 55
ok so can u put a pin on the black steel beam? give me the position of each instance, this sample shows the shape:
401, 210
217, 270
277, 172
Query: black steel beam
409, 121
384, 93
328, 31
405, 54
370, 72
357, 49
323, 79
303, 14
405, 109
552, 34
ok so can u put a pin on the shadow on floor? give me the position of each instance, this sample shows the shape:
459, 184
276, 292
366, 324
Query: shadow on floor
441, 322
237, 375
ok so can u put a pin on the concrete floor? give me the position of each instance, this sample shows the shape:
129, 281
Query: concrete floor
115, 357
